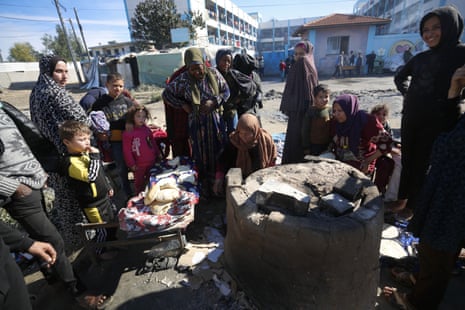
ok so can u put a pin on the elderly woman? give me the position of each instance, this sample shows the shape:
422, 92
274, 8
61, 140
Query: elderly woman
50, 105
254, 145
201, 92
297, 98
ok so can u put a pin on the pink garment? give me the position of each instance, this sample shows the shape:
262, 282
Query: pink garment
140, 149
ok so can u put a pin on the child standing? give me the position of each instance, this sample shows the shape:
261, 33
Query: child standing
316, 125
389, 166
139, 146
115, 106
83, 167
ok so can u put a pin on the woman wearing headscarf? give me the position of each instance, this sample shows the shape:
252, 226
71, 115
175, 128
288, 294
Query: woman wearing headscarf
424, 82
241, 87
201, 92
254, 145
358, 137
297, 98
50, 104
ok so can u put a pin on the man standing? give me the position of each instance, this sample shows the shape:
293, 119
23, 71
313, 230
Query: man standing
358, 63
339, 63
370, 61
261, 66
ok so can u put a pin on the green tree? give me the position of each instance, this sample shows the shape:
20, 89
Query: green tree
23, 52
152, 22
194, 20
57, 44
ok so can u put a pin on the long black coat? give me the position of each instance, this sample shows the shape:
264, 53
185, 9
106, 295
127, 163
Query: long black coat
427, 112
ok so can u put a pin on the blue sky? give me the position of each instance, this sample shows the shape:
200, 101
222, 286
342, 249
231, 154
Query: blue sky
105, 20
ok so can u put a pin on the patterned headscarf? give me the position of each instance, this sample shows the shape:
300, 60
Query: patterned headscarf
301, 80
356, 120
193, 56
267, 149
50, 104
48, 63
99, 122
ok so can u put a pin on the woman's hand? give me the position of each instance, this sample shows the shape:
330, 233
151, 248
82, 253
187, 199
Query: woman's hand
22, 191
187, 108
364, 166
207, 106
457, 83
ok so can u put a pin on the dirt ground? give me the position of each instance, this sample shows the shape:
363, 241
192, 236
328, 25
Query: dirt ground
133, 286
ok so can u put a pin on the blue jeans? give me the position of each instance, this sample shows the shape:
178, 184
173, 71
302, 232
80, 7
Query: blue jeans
231, 123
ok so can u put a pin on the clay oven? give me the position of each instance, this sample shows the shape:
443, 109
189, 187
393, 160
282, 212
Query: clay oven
323, 258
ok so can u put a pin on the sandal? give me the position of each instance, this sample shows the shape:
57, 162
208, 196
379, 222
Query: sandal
403, 276
397, 299
93, 302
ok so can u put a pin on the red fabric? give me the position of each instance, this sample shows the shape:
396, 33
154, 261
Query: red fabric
161, 138
177, 125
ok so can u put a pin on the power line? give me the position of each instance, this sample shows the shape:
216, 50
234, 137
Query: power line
42, 7
29, 19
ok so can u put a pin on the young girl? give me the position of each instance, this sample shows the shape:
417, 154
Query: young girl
389, 166
139, 147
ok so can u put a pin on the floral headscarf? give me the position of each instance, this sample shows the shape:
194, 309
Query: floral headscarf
50, 104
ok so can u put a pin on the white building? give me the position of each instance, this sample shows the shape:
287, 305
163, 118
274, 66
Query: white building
276, 35
405, 15
226, 23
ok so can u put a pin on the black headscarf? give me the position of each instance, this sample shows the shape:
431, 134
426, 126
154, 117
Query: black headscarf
245, 63
451, 26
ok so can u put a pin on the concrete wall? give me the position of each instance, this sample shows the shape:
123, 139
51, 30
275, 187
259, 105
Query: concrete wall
357, 42
23, 75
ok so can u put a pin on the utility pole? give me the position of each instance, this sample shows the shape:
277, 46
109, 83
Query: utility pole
82, 34
57, 5
75, 37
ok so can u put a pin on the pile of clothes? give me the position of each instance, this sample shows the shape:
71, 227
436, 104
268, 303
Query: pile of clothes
168, 201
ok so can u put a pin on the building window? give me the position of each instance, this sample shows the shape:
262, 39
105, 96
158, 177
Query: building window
334, 45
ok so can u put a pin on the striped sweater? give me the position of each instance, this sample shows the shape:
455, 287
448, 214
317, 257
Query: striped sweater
17, 163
